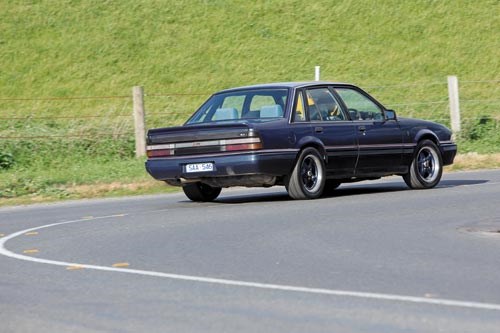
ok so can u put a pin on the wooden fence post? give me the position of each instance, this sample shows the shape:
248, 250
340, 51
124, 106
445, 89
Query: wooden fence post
454, 103
139, 123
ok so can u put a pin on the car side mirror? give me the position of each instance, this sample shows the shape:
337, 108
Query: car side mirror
390, 115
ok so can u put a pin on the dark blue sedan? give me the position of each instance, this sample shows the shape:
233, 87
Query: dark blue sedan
307, 136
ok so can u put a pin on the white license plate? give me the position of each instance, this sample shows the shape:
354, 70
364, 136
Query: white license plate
199, 167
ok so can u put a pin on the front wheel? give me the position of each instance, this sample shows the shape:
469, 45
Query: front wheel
426, 168
201, 192
307, 180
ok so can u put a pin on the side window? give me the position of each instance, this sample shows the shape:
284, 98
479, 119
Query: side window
323, 106
299, 113
360, 107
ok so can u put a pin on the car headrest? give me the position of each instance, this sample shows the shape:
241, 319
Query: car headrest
271, 111
226, 114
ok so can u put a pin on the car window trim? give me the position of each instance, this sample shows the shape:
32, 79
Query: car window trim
291, 120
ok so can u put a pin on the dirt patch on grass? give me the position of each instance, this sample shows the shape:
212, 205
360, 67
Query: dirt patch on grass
474, 161
99, 190
96, 190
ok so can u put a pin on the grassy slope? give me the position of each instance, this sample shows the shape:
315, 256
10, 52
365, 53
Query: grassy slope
68, 48
96, 48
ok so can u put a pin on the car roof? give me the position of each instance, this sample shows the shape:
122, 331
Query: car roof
284, 85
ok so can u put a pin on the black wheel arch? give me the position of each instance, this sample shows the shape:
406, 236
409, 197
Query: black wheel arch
426, 134
311, 142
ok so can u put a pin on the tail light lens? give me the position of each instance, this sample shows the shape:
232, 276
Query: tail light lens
160, 150
197, 147
159, 153
244, 146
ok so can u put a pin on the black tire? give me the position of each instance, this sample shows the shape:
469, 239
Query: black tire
330, 187
308, 178
201, 192
426, 167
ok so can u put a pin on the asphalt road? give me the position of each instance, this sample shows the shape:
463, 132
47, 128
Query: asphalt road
375, 257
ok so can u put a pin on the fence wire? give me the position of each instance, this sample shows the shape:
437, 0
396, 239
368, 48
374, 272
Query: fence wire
93, 118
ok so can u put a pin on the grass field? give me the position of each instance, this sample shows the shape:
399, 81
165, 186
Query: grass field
53, 51
88, 47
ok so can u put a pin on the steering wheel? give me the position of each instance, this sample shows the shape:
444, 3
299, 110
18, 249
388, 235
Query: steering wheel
354, 114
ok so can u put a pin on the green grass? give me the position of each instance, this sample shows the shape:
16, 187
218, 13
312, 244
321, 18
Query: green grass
88, 48
401, 52
45, 167
48, 170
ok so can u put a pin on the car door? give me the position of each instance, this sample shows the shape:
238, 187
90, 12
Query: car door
379, 140
331, 125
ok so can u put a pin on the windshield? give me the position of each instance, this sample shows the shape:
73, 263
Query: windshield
245, 104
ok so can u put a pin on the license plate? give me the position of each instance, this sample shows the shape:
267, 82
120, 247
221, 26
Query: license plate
199, 167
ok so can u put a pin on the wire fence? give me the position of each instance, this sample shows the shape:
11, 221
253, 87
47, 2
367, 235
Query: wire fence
98, 117
479, 99
88, 117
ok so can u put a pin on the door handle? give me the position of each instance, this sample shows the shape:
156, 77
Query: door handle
362, 129
318, 129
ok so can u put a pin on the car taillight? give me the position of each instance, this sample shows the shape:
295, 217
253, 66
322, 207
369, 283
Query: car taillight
200, 147
159, 151
252, 143
244, 146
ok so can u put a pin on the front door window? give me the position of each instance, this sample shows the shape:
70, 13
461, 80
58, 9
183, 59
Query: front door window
323, 106
359, 106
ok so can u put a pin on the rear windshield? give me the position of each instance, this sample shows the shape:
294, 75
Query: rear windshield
245, 104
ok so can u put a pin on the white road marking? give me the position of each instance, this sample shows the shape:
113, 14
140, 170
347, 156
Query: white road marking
236, 283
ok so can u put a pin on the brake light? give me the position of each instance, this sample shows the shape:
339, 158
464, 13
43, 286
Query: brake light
200, 147
159, 152
244, 146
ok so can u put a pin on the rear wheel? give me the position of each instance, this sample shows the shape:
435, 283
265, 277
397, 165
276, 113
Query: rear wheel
426, 168
201, 192
307, 180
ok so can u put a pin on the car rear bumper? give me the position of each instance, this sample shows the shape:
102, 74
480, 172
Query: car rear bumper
265, 162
